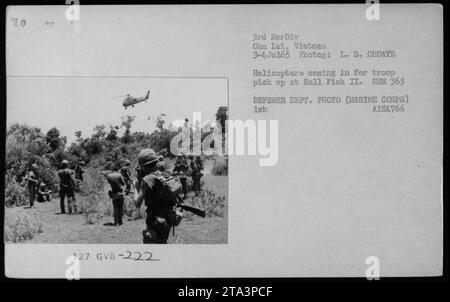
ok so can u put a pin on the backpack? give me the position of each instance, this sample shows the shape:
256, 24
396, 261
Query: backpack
169, 187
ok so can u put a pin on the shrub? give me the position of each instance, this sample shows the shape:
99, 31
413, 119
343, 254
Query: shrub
92, 200
48, 174
220, 166
160, 140
21, 226
15, 192
131, 211
210, 202
26, 145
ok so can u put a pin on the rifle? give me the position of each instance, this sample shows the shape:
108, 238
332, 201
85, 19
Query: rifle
192, 209
175, 216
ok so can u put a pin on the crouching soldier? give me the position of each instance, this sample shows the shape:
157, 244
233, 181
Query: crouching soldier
43, 194
148, 189
66, 187
116, 182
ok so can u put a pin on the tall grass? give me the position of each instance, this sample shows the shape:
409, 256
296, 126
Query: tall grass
209, 201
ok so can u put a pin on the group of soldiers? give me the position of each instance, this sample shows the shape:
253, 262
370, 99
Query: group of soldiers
36, 188
67, 185
195, 169
147, 188
152, 187
182, 169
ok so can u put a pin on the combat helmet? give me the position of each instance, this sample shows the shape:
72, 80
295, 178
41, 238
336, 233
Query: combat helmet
65, 163
146, 157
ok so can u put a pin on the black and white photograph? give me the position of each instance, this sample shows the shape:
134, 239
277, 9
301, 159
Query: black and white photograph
224, 141
89, 160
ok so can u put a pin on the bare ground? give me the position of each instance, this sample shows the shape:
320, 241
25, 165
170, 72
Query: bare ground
60, 228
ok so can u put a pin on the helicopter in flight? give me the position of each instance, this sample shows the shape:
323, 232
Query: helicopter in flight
131, 101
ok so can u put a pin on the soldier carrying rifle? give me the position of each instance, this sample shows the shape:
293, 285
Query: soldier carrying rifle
161, 194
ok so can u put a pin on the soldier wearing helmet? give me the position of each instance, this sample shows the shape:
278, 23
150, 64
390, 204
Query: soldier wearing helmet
66, 187
116, 182
197, 173
33, 183
181, 168
79, 171
43, 195
161, 165
126, 174
147, 190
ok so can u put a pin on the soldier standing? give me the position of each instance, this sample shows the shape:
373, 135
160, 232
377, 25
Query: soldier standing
180, 169
148, 189
161, 165
126, 174
79, 171
33, 182
66, 187
78, 175
116, 182
196, 168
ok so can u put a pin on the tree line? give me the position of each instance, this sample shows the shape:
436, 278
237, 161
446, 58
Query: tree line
104, 149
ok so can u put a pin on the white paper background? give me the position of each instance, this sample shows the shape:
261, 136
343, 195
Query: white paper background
349, 183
